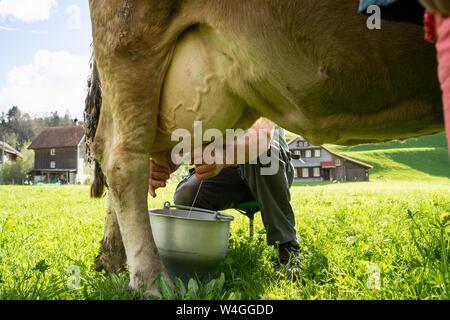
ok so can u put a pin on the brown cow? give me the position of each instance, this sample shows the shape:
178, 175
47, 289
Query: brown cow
313, 67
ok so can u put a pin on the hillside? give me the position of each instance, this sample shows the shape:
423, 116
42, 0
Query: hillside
424, 158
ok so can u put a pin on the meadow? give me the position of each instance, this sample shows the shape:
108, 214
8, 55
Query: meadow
383, 239
358, 240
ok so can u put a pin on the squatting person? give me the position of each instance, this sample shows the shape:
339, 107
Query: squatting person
226, 185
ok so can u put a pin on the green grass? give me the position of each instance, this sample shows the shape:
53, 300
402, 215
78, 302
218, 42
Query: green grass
349, 234
344, 230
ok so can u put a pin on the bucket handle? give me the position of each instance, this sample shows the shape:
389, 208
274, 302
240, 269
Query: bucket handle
218, 215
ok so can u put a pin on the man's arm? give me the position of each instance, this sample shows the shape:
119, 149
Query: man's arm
257, 138
247, 147
254, 142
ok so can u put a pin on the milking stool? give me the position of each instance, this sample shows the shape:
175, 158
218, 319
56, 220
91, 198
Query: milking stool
249, 209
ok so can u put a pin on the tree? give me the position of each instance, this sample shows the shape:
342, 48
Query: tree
55, 120
11, 139
14, 114
18, 127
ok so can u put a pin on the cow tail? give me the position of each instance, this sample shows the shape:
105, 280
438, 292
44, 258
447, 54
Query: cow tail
93, 105
99, 183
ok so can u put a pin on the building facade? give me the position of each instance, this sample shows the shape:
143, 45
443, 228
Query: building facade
318, 164
59, 155
8, 153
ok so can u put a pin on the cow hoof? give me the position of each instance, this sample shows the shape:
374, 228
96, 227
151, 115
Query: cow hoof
149, 291
152, 293
153, 290
111, 262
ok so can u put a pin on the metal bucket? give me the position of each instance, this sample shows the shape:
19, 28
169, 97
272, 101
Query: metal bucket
192, 242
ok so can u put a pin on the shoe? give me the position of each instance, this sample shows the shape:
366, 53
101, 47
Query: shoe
289, 259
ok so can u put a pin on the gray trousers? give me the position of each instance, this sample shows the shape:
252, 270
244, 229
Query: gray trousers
243, 183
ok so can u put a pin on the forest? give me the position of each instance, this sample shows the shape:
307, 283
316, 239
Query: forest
17, 128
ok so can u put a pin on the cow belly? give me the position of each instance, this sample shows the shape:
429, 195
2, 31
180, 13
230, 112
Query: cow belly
196, 89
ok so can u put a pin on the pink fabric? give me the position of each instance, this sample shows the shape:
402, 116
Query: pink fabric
442, 29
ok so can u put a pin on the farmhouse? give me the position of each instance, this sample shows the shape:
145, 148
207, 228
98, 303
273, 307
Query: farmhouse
59, 155
8, 153
318, 163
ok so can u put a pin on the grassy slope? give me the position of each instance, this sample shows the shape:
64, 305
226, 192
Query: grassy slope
424, 158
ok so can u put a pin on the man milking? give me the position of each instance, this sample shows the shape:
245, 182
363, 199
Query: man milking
236, 179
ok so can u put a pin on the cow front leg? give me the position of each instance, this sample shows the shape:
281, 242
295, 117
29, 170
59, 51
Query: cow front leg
112, 257
128, 173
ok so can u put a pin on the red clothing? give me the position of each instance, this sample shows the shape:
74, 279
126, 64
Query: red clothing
437, 29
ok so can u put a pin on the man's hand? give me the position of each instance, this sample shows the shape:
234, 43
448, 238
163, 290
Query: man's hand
203, 170
160, 174
207, 171
158, 177
438, 6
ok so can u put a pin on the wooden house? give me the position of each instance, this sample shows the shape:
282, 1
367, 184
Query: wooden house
318, 163
8, 152
59, 155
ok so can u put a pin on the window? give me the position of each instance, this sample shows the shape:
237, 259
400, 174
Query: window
52, 152
300, 143
316, 172
317, 153
308, 153
52, 164
305, 172
338, 162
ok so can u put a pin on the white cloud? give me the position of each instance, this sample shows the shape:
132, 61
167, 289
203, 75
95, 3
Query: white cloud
8, 29
53, 81
27, 10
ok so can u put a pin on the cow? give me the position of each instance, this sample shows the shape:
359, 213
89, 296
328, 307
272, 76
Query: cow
312, 67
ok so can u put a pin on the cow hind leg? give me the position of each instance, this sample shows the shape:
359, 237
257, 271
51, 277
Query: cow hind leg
112, 257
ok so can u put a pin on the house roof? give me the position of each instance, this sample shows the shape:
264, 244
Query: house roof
335, 153
8, 148
58, 137
348, 159
295, 139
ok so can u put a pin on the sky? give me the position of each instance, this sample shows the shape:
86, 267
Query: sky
45, 49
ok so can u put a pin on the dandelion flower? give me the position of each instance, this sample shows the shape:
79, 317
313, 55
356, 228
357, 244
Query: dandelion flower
445, 215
